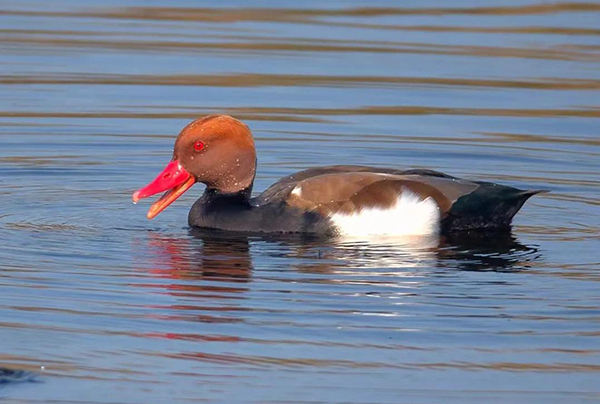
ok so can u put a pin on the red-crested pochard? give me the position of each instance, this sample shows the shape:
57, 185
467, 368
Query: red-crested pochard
218, 151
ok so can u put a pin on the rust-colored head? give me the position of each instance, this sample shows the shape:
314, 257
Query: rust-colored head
217, 150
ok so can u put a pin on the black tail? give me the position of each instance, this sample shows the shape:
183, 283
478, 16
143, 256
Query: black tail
489, 207
522, 197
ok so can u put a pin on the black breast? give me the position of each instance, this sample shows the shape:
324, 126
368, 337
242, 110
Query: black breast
235, 212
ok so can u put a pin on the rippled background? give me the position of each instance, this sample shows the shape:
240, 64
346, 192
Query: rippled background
100, 305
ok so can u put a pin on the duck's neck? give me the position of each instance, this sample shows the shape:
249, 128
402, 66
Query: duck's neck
216, 198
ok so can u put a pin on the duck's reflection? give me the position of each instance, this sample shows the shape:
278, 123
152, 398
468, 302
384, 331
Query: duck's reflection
223, 266
472, 252
200, 257
216, 255
485, 251
208, 271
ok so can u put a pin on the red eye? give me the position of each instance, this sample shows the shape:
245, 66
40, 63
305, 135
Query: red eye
199, 145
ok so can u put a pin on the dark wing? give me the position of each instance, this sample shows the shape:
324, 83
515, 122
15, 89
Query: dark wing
349, 192
279, 191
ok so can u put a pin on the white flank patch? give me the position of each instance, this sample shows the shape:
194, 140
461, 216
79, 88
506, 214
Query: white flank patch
410, 216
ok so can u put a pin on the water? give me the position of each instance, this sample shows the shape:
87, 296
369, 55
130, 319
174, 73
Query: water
97, 304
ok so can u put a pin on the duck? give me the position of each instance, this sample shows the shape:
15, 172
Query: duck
219, 151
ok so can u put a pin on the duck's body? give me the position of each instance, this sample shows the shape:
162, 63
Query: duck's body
359, 200
348, 200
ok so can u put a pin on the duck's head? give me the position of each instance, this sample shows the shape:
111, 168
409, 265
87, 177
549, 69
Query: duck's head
216, 150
